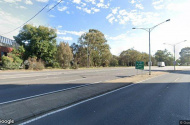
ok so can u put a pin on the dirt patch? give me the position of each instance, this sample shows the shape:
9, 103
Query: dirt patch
136, 78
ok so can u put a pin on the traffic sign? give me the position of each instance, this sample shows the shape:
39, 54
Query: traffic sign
139, 65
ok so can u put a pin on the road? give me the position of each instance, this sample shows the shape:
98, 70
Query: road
21, 85
18, 85
163, 100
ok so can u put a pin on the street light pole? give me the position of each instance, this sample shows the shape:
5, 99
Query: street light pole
174, 45
149, 55
149, 30
174, 58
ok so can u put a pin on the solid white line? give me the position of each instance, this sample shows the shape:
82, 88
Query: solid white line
43, 94
53, 112
49, 74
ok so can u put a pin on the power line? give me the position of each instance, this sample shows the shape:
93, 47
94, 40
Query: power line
26, 21
55, 5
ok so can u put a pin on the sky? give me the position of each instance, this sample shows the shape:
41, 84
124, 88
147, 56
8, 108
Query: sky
114, 18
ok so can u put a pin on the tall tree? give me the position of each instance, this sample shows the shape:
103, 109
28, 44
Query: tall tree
38, 41
64, 55
185, 56
98, 51
79, 55
164, 56
114, 61
129, 57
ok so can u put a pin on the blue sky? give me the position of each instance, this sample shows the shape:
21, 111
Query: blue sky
115, 18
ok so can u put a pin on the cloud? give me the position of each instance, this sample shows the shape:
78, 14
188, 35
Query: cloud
91, 6
66, 38
139, 6
22, 7
70, 32
181, 7
52, 16
28, 2
159, 7
77, 1
8, 22
95, 9
122, 16
59, 26
157, 2
114, 10
12, 1
44, 1
111, 18
62, 8
132, 1
89, 11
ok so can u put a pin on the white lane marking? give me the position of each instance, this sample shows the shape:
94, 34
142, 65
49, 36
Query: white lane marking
176, 79
43, 94
52, 91
26, 75
53, 73
44, 79
53, 112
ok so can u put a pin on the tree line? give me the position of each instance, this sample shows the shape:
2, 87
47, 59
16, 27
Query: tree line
38, 49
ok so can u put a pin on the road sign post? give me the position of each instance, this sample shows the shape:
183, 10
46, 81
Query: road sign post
139, 65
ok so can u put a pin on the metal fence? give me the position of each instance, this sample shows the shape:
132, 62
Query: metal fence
8, 42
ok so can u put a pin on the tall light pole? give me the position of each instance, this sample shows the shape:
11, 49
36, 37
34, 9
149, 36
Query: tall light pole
149, 30
174, 45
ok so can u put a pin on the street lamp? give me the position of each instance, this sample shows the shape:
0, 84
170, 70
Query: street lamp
174, 49
149, 30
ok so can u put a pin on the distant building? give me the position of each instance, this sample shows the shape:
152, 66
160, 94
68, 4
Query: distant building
6, 46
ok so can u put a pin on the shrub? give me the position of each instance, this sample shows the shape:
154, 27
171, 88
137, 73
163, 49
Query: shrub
56, 65
33, 64
75, 66
11, 61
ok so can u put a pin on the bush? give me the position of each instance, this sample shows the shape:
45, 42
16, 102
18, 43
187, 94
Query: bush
74, 66
56, 65
11, 61
33, 64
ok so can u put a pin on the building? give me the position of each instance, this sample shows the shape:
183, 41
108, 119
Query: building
6, 46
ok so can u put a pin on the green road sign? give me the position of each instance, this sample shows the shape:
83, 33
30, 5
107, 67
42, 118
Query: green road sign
139, 65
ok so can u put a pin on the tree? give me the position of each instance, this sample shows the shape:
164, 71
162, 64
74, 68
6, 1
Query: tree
64, 55
129, 57
145, 58
97, 49
164, 56
79, 54
19, 52
114, 61
185, 56
38, 42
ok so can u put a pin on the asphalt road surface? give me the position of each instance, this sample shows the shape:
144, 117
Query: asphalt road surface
163, 100
18, 85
